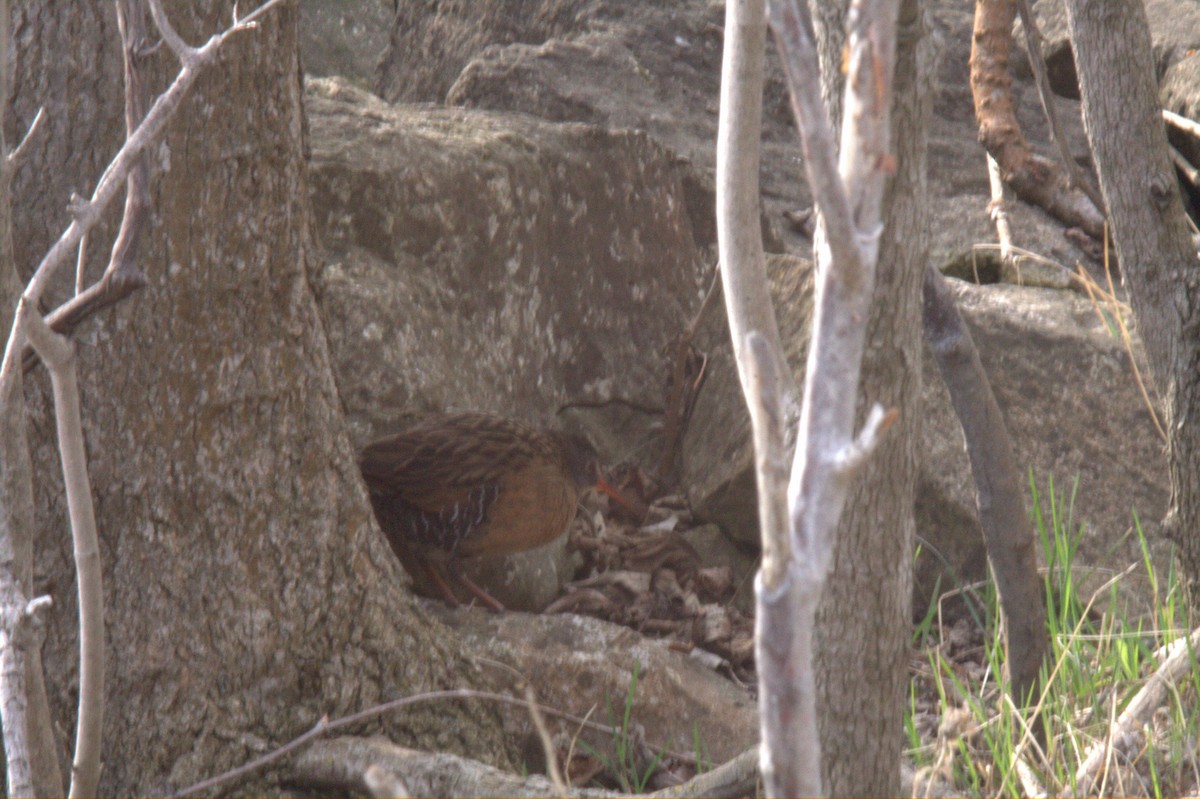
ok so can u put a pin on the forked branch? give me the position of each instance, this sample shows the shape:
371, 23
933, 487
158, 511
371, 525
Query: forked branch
798, 531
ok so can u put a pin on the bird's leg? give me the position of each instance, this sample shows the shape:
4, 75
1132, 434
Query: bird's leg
435, 577
454, 568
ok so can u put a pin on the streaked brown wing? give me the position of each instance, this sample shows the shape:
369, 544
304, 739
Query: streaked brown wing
434, 465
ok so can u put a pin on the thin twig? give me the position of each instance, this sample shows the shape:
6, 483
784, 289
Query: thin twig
59, 356
17, 157
1190, 126
683, 391
1183, 165
325, 725
81, 265
543, 732
998, 208
122, 262
850, 460
179, 47
570, 758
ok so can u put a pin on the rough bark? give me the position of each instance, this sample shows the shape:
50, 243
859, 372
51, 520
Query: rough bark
32, 767
1149, 230
249, 590
865, 611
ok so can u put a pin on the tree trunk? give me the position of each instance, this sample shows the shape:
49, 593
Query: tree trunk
862, 631
1121, 114
248, 588
26, 712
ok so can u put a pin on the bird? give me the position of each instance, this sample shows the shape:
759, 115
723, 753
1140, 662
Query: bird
464, 485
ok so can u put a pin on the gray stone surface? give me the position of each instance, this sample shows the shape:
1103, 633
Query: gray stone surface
346, 38
488, 261
1066, 388
1174, 35
583, 666
413, 269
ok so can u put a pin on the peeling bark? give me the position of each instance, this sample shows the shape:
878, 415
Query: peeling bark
1035, 179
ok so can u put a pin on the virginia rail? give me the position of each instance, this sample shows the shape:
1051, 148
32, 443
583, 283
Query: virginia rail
473, 484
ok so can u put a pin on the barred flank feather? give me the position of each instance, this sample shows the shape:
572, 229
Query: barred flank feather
471, 484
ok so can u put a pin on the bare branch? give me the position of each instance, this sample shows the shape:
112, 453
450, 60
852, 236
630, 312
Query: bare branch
794, 35
998, 207
1126, 733
849, 197
739, 232
59, 356
1014, 262
18, 641
190, 57
765, 398
122, 265
850, 460
178, 46
1035, 179
1007, 530
846, 255
1182, 122
17, 156
1185, 166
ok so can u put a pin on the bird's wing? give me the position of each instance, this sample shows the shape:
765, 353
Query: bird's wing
435, 464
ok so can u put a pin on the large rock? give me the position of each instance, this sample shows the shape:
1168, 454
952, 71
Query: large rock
584, 667
344, 38
1066, 388
1174, 35
478, 260
654, 67
432, 40
649, 65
